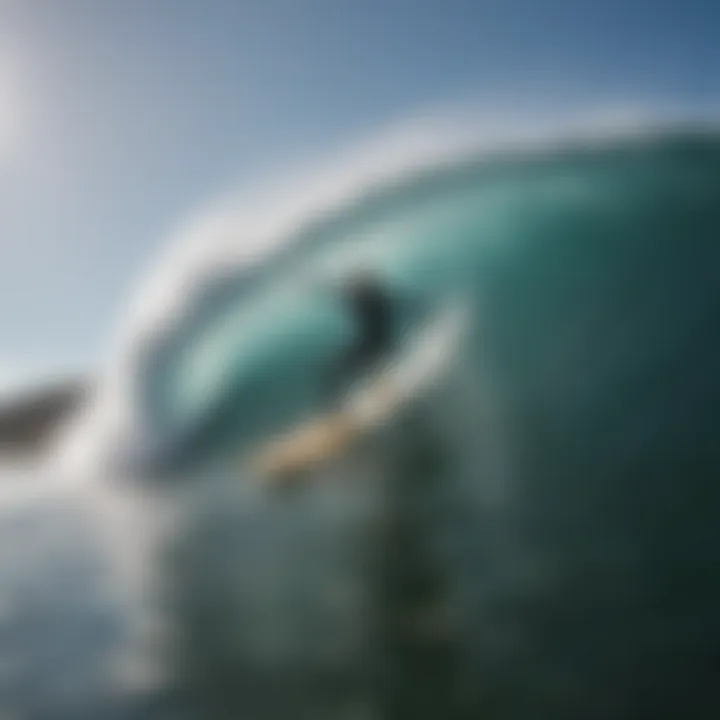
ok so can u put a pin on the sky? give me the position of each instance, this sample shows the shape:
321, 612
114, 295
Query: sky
120, 118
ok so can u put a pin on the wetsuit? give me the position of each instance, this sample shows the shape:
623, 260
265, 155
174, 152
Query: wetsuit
371, 310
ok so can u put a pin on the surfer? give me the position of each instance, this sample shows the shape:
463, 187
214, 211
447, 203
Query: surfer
371, 309
353, 412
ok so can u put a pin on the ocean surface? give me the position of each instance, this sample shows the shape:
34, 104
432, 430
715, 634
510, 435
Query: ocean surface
536, 536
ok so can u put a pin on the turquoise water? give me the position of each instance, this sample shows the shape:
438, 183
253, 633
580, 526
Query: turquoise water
450, 232
551, 508
535, 538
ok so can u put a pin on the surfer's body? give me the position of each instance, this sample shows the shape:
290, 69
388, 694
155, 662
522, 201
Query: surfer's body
371, 309
379, 393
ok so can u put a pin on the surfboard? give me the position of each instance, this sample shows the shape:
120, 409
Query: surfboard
423, 360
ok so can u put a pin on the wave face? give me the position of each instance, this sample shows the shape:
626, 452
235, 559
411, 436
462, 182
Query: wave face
536, 536
243, 346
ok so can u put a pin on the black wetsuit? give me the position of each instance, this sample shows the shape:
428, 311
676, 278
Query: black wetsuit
371, 310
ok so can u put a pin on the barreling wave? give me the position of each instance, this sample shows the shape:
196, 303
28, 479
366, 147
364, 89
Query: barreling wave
425, 206
537, 535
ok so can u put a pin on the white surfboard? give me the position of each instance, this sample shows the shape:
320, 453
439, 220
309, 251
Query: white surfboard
422, 362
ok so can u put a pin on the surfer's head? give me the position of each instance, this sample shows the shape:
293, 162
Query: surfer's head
361, 281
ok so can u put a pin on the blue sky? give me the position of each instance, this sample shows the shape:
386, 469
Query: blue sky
117, 118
